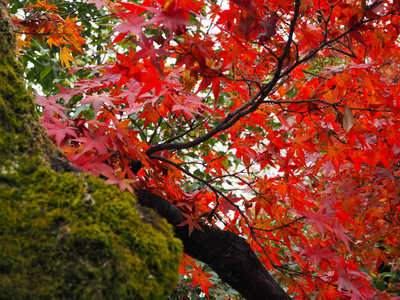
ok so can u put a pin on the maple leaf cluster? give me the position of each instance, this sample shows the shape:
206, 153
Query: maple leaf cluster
279, 121
46, 24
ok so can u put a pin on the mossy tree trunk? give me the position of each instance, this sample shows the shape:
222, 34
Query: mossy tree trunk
65, 234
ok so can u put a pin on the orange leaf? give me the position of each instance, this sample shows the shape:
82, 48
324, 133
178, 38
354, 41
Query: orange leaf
66, 57
201, 278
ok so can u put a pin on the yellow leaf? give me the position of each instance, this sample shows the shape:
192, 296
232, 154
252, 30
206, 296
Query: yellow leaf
66, 57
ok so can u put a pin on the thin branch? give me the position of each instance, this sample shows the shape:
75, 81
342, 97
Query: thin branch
280, 227
316, 75
214, 189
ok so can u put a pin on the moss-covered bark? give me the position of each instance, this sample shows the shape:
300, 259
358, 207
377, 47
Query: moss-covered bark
67, 235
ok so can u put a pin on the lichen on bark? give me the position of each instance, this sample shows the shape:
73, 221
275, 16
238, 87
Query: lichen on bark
67, 235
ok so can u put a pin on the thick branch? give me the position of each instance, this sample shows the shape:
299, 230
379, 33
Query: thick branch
226, 253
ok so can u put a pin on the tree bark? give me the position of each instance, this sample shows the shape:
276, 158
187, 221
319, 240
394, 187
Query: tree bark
229, 255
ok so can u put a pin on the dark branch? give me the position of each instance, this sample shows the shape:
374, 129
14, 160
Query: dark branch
229, 255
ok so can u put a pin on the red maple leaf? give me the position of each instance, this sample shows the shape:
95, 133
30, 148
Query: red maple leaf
133, 23
50, 107
193, 221
60, 130
95, 140
201, 278
98, 101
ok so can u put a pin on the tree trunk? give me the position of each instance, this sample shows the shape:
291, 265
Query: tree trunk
64, 234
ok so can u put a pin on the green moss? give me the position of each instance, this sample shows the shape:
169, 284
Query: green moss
68, 237
19, 130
